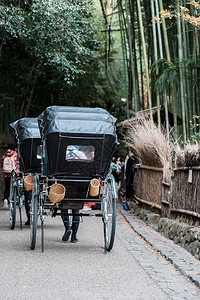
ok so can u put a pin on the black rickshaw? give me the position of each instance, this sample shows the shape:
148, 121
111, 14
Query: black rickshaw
77, 148
28, 142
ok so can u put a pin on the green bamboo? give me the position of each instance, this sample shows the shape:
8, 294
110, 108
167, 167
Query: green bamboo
145, 58
141, 62
130, 44
125, 33
165, 33
197, 74
180, 54
194, 75
156, 59
135, 50
167, 50
188, 104
124, 59
161, 55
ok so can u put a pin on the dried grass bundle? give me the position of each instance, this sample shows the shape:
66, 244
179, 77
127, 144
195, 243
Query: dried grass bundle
188, 156
151, 146
179, 156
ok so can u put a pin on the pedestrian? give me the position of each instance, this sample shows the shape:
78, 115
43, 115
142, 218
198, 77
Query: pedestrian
9, 162
113, 165
118, 173
70, 229
130, 169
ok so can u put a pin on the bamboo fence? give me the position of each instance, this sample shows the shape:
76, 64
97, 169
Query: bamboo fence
185, 200
180, 199
148, 186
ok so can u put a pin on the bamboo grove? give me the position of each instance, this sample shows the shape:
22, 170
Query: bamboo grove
50, 54
160, 54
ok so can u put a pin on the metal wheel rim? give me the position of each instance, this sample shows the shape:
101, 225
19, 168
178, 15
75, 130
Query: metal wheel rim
13, 200
34, 213
109, 215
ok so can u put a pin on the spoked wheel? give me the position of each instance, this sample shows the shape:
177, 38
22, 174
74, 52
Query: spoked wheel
42, 200
20, 210
20, 200
109, 213
34, 211
13, 199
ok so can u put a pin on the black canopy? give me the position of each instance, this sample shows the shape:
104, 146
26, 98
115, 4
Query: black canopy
76, 120
27, 135
25, 128
66, 127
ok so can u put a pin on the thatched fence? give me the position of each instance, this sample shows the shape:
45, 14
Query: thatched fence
168, 179
185, 199
147, 186
178, 200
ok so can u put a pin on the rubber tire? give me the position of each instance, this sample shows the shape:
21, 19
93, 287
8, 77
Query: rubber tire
13, 208
109, 235
20, 211
33, 221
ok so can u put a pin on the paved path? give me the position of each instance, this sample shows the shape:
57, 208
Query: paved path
144, 244
132, 270
184, 261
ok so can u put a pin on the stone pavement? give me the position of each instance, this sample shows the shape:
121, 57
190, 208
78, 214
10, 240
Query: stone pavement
166, 265
70, 271
182, 260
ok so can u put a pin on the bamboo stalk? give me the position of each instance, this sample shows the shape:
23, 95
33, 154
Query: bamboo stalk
166, 183
152, 204
172, 87
149, 168
165, 34
156, 59
141, 61
187, 168
194, 75
186, 212
161, 55
180, 54
125, 33
124, 60
185, 81
134, 98
145, 58
135, 51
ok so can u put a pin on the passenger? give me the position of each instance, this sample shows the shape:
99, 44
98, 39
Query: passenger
70, 230
74, 153
9, 162
89, 152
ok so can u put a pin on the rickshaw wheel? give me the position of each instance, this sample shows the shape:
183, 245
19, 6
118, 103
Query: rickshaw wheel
33, 212
20, 210
20, 201
109, 214
13, 200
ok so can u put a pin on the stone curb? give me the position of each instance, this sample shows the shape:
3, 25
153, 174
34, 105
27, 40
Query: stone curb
182, 260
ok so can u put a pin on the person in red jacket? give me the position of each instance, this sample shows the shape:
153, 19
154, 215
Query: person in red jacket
9, 162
